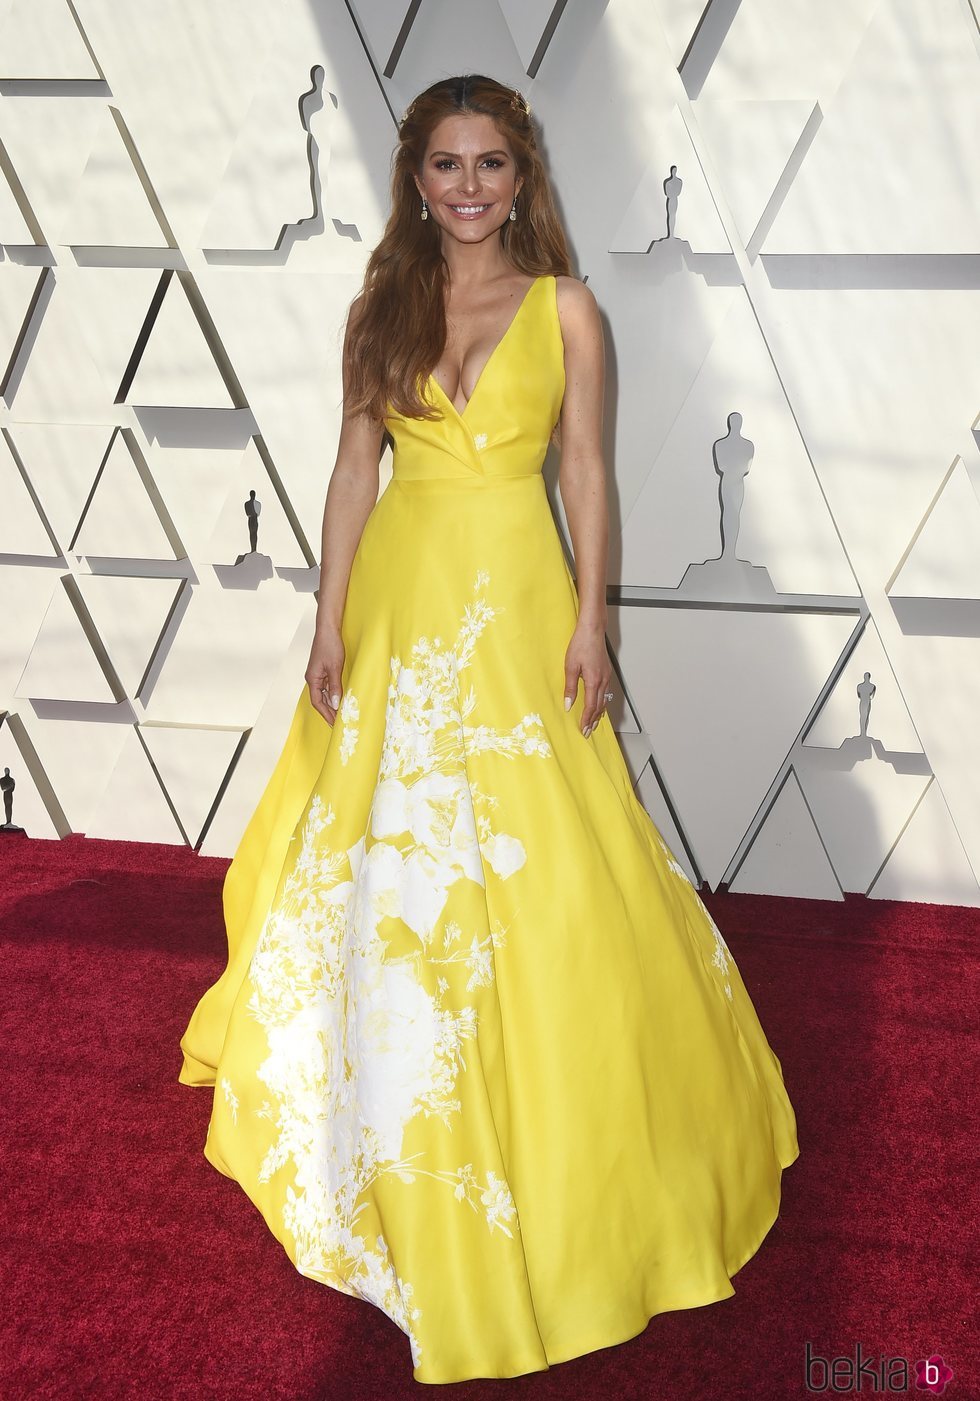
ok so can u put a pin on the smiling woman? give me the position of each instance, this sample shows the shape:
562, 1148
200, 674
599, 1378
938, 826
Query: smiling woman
473, 223
481, 1055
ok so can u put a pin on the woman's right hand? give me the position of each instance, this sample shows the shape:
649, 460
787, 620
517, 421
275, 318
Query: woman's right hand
325, 669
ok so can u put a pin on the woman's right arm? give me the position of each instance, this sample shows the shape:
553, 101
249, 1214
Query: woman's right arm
351, 496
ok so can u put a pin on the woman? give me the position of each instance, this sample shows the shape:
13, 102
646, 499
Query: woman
481, 1055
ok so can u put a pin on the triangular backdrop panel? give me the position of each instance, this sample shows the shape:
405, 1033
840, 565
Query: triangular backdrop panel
787, 856
28, 807
40, 39
928, 862
726, 693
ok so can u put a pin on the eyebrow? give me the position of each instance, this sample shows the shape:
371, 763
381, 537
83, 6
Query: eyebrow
455, 154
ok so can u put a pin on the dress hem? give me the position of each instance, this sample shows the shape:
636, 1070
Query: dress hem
592, 1344
599, 1342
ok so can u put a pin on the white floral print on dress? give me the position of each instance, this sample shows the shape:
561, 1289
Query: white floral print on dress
348, 715
672, 861
230, 1097
357, 1044
721, 956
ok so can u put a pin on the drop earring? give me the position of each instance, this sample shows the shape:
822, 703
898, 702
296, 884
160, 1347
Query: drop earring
513, 209
425, 208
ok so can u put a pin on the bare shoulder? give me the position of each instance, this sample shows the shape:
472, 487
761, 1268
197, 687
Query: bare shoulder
578, 315
575, 296
578, 310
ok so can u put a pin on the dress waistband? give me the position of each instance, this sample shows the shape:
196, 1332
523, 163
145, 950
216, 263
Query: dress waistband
474, 481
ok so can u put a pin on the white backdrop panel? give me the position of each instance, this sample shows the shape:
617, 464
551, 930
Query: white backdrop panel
187, 202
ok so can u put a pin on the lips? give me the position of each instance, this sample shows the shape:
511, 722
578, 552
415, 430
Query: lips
469, 211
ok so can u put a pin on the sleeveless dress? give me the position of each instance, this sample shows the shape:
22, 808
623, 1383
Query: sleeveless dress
480, 1054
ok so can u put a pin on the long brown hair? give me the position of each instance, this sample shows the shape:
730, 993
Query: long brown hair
399, 333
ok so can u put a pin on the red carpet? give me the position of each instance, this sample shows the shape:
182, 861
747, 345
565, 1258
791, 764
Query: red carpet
133, 1269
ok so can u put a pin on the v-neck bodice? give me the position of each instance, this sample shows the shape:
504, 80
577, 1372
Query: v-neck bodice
528, 293
504, 430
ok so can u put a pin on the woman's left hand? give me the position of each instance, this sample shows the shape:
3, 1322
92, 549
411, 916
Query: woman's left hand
588, 658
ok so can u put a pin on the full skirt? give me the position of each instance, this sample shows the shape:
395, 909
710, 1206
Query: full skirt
480, 1054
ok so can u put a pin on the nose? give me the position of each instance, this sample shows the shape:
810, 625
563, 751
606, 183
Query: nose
469, 182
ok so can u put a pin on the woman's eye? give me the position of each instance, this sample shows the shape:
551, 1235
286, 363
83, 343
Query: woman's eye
444, 162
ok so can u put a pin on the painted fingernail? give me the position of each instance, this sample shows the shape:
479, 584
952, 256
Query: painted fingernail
568, 702
335, 700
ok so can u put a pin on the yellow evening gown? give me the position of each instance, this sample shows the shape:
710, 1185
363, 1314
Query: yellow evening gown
480, 1054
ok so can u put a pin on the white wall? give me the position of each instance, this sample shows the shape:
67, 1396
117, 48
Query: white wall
171, 315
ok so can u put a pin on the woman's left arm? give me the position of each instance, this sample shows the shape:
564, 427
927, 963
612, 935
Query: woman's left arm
582, 483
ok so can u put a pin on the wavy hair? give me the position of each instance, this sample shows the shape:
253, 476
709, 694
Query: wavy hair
399, 333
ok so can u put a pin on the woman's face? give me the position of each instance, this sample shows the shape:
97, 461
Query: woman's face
469, 177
